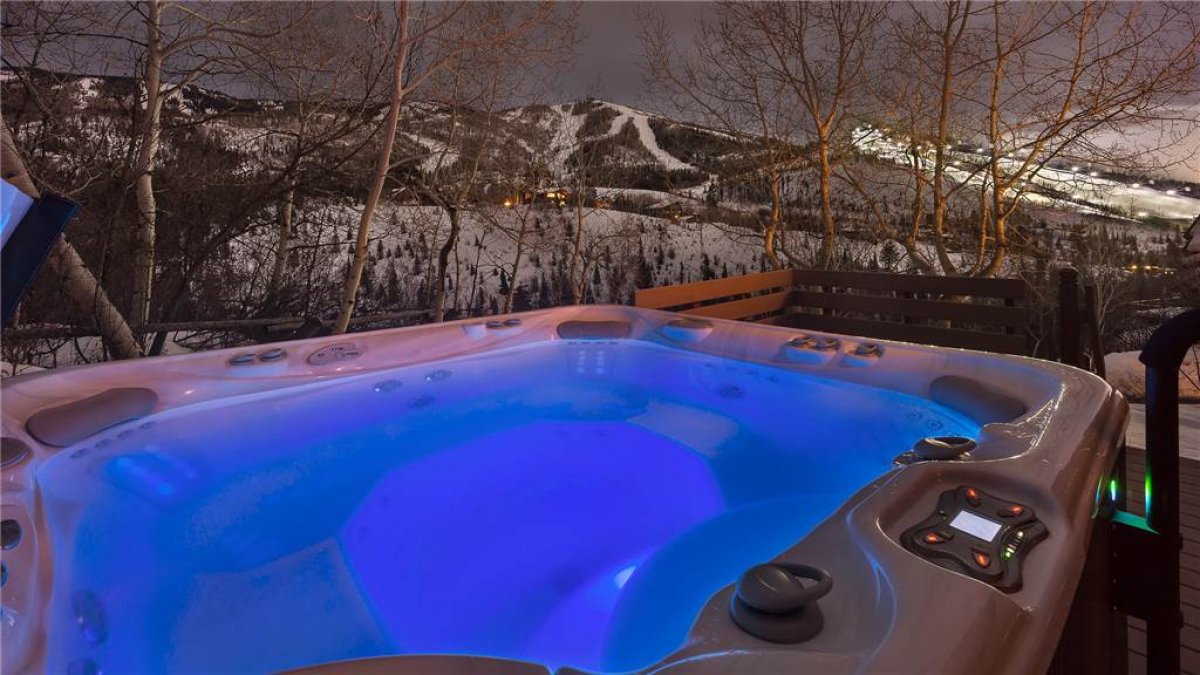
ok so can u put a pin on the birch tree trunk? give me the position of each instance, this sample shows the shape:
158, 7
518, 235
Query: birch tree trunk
949, 39
147, 209
771, 229
575, 286
80, 285
829, 227
382, 164
283, 235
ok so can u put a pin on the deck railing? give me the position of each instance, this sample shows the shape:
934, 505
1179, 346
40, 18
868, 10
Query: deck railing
968, 312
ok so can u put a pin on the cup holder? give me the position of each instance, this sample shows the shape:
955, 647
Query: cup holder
937, 448
10, 533
687, 329
777, 602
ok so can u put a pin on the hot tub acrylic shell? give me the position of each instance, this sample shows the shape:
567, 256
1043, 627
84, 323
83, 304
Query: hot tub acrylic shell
889, 610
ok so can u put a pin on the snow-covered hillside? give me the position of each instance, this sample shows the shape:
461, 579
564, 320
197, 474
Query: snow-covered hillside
656, 204
1065, 185
615, 248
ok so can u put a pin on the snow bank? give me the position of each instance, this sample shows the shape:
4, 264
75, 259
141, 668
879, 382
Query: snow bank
1128, 375
9, 369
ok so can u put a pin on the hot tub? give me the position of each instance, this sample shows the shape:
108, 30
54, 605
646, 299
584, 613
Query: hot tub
576, 488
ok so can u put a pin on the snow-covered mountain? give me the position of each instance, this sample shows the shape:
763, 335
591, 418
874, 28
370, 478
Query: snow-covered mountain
595, 143
660, 206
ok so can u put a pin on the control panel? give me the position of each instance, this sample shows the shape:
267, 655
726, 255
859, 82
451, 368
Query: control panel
979, 535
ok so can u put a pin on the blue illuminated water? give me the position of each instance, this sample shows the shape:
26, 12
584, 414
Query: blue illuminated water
565, 503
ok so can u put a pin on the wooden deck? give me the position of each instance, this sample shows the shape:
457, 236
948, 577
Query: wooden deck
1189, 561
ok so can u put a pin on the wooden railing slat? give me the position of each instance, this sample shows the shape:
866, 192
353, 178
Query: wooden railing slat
748, 307
685, 294
964, 312
914, 283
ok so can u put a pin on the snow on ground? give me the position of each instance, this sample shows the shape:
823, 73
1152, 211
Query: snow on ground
646, 135
76, 352
658, 197
1128, 375
566, 131
440, 154
564, 125
89, 89
614, 244
9, 369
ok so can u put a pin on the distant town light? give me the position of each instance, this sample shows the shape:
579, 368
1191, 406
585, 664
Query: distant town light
1135, 185
1142, 214
1171, 192
1074, 169
1093, 174
980, 149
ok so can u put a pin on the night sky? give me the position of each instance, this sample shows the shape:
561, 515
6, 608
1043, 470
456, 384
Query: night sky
610, 63
610, 66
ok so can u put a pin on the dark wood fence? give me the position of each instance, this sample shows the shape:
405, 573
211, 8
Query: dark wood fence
968, 312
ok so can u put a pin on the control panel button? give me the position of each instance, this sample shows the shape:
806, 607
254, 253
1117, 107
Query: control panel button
1011, 511
934, 538
981, 558
972, 496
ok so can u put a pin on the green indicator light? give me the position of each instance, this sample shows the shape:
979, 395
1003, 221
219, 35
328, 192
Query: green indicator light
1112, 490
1147, 495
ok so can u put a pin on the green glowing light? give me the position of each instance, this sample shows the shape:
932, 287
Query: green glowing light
1112, 490
1147, 495
1129, 519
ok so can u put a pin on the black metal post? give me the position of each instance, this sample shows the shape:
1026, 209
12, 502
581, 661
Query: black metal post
1068, 317
1163, 355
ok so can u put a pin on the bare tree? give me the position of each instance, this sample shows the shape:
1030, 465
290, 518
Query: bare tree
205, 41
1126, 65
1012, 91
520, 219
402, 45
724, 84
81, 286
439, 37
789, 74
